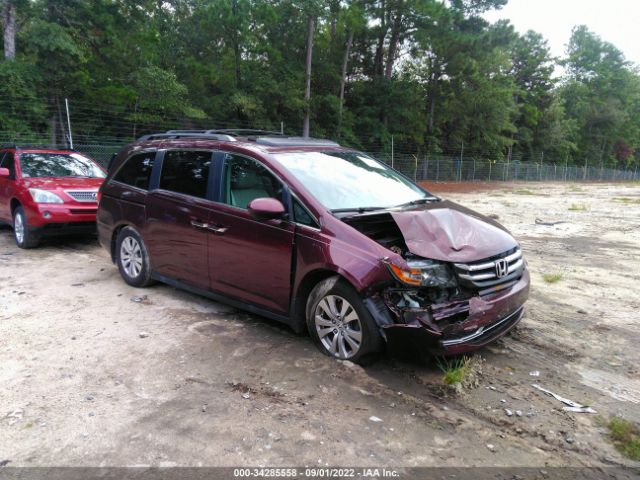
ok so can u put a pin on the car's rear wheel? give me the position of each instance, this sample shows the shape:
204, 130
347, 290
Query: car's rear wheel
132, 258
22, 232
340, 324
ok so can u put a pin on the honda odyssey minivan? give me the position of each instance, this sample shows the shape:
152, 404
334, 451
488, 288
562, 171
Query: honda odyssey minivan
324, 238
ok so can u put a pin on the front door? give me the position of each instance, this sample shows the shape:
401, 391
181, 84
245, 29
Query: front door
177, 213
250, 259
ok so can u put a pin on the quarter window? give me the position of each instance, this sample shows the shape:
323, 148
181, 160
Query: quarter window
186, 172
302, 216
246, 180
137, 170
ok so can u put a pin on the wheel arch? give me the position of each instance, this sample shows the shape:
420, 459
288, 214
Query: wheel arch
301, 295
14, 204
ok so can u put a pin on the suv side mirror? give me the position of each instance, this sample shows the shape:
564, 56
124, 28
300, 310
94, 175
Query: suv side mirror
5, 173
266, 208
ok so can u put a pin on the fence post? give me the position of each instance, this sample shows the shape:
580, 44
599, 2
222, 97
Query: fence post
473, 179
437, 168
489, 170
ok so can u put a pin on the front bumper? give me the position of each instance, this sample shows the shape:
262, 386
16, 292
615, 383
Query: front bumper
460, 327
61, 219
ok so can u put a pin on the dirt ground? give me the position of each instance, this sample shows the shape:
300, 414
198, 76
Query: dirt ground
91, 377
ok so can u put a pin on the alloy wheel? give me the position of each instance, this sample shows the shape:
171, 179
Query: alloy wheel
18, 228
338, 326
131, 257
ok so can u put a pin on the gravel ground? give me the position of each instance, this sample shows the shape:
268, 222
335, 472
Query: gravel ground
91, 377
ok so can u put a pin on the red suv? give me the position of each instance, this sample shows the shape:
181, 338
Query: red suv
321, 237
47, 192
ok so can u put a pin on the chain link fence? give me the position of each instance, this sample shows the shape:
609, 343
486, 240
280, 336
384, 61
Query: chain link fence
447, 169
450, 169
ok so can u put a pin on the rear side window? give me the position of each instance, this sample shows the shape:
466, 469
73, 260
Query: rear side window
186, 172
136, 171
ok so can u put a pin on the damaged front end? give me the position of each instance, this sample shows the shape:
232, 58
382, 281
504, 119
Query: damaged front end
444, 307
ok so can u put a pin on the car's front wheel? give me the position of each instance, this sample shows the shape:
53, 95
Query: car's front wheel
132, 258
22, 232
340, 324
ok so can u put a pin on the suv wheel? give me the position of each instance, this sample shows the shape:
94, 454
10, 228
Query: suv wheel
340, 324
23, 234
132, 258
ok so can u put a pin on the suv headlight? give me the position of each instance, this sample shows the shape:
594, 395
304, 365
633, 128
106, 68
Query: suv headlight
424, 273
44, 196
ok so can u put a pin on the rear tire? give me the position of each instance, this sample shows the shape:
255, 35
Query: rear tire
340, 324
132, 258
23, 234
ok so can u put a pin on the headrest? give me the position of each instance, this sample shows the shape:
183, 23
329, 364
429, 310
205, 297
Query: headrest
245, 179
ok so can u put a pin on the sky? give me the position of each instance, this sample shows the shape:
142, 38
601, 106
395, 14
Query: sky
615, 21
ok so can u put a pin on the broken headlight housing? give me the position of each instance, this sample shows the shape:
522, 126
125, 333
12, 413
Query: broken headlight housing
424, 273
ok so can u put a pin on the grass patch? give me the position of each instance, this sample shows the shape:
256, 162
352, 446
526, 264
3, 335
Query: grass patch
628, 201
552, 277
577, 208
455, 370
575, 188
625, 436
523, 191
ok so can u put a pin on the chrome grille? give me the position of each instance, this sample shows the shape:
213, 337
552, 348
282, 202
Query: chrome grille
493, 271
83, 195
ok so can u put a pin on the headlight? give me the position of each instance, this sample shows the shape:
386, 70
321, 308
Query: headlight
44, 196
424, 273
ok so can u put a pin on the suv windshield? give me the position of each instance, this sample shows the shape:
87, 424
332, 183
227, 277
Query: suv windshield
350, 180
58, 165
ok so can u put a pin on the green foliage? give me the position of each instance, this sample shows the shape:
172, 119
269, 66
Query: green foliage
433, 75
625, 436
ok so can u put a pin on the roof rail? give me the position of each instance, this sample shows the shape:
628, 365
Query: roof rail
175, 134
295, 142
246, 132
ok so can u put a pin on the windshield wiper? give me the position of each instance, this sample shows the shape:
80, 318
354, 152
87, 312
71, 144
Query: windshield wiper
420, 201
358, 209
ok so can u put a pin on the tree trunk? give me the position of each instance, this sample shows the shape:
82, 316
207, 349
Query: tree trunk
236, 44
307, 91
379, 56
393, 42
343, 78
9, 29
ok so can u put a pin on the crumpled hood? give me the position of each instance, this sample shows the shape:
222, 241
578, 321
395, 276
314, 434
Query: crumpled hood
448, 232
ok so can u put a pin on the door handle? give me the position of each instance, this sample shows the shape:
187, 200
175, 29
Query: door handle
199, 224
218, 229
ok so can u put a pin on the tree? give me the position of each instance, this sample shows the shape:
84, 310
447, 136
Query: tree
9, 28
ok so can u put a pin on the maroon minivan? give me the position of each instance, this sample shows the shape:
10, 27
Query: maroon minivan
321, 237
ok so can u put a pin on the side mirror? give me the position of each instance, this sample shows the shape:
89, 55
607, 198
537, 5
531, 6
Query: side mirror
5, 173
265, 208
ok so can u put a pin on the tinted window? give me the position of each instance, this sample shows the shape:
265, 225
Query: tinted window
186, 172
58, 165
7, 161
137, 170
246, 180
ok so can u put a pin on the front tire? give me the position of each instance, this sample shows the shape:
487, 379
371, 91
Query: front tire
22, 232
132, 258
340, 324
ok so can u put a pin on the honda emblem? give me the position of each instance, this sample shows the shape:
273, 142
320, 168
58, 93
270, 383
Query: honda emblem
502, 268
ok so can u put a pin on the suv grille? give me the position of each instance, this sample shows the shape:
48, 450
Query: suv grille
501, 269
83, 195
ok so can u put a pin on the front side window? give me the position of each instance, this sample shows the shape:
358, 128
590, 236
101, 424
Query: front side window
186, 172
136, 171
7, 161
58, 165
350, 180
246, 180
